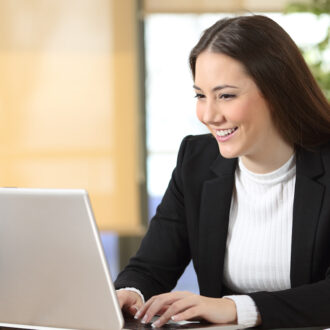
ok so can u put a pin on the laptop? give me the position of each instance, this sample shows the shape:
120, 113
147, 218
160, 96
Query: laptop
53, 272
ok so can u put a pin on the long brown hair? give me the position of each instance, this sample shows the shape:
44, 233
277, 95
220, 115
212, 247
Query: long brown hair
299, 109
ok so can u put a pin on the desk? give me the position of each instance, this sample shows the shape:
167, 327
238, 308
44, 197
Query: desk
137, 325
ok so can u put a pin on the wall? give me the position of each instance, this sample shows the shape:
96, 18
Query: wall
203, 6
68, 102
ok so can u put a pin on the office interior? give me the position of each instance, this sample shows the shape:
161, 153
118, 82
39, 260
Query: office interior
74, 104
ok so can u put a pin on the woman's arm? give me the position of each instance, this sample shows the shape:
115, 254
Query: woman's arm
164, 252
307, 305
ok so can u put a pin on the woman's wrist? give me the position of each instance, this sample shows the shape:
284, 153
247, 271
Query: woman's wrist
246, 310
233, 309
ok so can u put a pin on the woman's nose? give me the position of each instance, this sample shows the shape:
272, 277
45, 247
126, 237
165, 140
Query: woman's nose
212, 113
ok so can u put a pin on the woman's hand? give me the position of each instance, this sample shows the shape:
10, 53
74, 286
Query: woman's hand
181, 305
130, 302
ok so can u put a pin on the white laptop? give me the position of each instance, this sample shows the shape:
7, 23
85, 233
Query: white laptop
53, 273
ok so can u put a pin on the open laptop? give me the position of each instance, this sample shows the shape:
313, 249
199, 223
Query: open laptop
53, 273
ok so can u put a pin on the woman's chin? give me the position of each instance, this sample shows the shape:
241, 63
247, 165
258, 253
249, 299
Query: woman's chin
228, 152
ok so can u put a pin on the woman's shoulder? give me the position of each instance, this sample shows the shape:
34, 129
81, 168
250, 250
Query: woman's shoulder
312, 161
199, 159
201, 153
325, 151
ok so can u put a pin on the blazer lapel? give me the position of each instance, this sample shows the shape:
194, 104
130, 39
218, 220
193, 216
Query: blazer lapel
306, 208
213, 226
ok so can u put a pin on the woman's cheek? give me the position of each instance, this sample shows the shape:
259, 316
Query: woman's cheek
199, 113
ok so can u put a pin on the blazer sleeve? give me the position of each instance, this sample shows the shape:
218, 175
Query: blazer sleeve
164, 252
306, 305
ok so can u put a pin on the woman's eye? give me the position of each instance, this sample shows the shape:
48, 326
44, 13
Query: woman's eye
199, 96
227, 96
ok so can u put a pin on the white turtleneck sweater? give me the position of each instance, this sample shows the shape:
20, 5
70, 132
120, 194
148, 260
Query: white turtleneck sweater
258, 253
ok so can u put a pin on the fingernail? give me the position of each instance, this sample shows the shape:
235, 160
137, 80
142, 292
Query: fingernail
137, 315
155, 324
173, 318
144, 320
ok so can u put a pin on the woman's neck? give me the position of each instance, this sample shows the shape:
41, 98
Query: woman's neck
269, 160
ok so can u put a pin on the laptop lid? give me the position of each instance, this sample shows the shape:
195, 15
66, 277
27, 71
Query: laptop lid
53, 273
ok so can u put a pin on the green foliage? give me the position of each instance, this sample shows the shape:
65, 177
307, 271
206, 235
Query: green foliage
316, 7
315, 55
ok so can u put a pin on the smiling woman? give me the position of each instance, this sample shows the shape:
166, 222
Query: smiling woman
248, 203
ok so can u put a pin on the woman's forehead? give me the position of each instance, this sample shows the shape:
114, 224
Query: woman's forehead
219, 69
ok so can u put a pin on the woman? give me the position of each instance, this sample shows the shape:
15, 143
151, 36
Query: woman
254, 218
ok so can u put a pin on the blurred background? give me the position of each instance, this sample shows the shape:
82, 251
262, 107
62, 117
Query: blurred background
97, 94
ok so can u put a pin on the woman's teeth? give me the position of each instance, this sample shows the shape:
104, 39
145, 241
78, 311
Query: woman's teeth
225, 132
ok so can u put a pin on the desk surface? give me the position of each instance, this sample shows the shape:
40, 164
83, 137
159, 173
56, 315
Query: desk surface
137, 325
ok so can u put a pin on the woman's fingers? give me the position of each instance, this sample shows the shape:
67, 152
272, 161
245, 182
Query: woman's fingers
163, 310
214, 310
142, 311
133, 309
184, 304
181, 305
159, 304
193, 313
129, 301
154, 306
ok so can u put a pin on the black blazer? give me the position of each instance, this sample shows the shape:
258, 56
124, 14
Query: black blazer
192, 222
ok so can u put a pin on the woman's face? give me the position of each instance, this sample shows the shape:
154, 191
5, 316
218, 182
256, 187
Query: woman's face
230, 104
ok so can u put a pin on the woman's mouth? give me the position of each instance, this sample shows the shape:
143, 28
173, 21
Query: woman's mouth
225, 134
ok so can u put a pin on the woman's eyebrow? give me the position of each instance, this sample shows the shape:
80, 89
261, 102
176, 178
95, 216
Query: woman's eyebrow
216, 88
